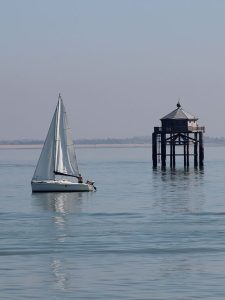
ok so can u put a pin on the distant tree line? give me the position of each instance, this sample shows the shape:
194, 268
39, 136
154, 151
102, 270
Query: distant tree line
21, 142
108, 141
113, 141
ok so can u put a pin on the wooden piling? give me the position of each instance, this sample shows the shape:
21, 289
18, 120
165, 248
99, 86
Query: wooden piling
196, 150
154, 149
163, 149
201, 150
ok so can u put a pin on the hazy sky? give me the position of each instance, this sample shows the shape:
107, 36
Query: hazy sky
120, 65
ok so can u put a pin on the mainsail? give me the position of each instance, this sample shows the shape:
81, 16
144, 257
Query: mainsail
58, 154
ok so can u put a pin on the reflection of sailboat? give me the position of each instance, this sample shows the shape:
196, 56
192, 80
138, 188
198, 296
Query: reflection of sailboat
62, 203
57, 168
60, 209
61, 278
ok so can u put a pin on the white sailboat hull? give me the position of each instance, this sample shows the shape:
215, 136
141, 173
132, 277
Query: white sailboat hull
60, 186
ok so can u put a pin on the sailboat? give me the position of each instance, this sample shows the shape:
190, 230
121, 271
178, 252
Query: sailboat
57, 168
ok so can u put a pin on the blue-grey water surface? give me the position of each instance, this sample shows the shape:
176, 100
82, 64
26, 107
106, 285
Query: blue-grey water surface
143, 235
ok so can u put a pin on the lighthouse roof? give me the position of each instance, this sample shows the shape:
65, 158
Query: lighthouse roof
178, 114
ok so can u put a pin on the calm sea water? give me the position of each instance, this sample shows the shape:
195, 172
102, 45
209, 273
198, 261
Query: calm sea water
143, 235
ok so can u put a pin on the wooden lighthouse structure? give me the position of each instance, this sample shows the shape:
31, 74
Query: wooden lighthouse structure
178, 128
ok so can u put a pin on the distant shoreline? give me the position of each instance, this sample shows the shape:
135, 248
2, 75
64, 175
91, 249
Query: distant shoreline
39, 146
28, 146
134, 142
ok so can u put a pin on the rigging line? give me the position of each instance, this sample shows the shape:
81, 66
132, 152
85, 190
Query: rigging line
65, 174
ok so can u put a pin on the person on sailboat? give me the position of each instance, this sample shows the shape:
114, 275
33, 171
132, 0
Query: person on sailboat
91, 183
80, 178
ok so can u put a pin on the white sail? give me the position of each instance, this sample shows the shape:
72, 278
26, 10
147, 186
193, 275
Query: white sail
46, 163
65, 157
58, 154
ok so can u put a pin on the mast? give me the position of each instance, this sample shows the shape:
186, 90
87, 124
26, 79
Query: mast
57, 137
